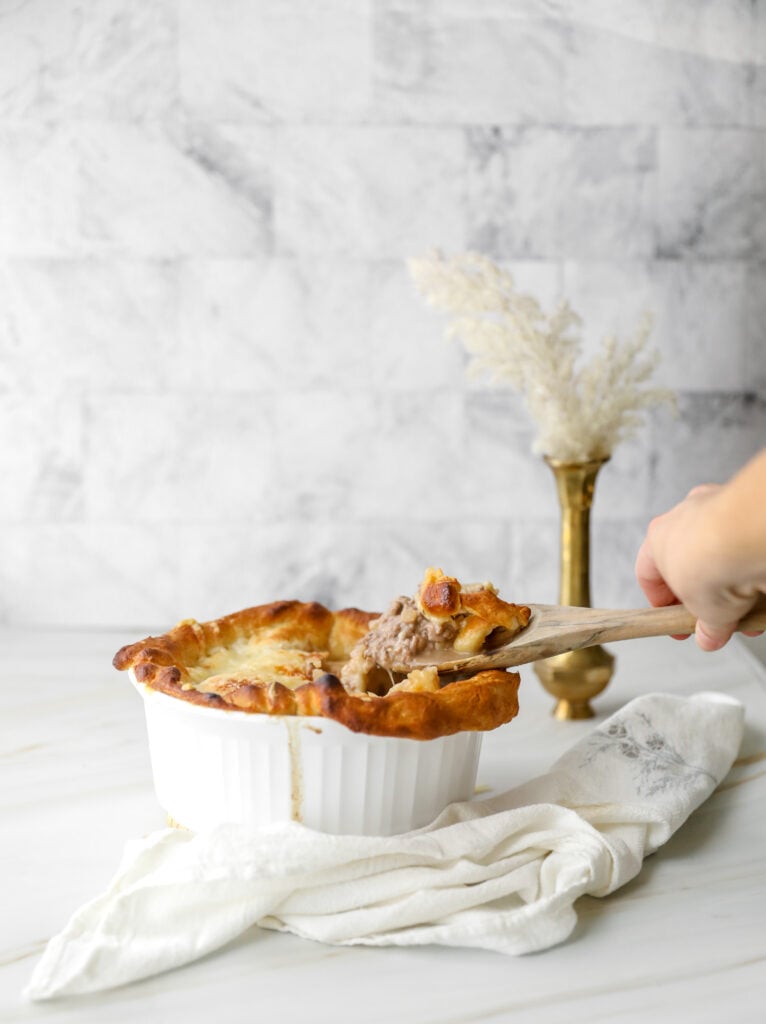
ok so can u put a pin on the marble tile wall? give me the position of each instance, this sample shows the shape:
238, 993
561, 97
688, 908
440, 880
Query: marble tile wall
217, 385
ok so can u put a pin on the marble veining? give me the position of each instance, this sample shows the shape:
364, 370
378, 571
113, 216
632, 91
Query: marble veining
548, 193
487, 63
143, 182
99, 59
273, 62
717, 211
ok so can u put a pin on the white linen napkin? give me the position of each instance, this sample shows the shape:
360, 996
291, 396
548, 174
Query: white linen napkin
500, 874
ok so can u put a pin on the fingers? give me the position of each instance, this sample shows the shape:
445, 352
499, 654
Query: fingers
650, 579
684, 559
657, 592
720, 615
703, 489
712, 638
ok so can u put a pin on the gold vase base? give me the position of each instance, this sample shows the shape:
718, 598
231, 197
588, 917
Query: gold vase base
567, 710
574, 679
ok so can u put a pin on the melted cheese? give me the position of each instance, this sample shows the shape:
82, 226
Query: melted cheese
258, 662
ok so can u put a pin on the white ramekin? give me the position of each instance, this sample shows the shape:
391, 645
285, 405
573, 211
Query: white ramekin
212, 766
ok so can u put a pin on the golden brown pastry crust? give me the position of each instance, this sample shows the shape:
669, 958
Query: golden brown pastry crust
482, 702
478, 610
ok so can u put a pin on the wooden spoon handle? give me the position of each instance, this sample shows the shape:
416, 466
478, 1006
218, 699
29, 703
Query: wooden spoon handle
669, 620
756, 618
569, 629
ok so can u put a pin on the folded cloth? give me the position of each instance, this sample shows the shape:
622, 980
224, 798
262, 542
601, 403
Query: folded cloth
500, 874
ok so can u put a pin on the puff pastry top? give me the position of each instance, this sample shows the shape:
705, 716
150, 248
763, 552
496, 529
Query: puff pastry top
285, 658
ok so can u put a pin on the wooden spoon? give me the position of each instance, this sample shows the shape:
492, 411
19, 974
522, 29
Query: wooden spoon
554, 629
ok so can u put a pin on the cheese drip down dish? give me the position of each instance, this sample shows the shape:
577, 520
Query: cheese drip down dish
296, 658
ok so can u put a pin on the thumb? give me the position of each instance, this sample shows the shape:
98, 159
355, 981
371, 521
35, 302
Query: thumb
711, 637
716, 624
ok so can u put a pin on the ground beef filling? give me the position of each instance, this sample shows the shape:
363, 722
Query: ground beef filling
398, 636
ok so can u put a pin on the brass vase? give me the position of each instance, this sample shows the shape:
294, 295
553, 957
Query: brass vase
576, 677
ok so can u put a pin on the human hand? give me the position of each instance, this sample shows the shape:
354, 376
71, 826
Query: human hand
690, 556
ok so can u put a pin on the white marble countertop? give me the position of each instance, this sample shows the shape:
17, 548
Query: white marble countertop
685, 941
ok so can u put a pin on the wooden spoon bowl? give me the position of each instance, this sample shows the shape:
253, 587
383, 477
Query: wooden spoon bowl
554, 629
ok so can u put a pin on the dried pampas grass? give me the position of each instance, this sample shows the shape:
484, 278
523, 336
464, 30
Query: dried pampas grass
582, 412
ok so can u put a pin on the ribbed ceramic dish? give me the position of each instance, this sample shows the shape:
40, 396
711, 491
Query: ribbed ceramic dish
212, 766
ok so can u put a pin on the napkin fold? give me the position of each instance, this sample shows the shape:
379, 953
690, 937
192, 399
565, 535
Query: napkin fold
500, 874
